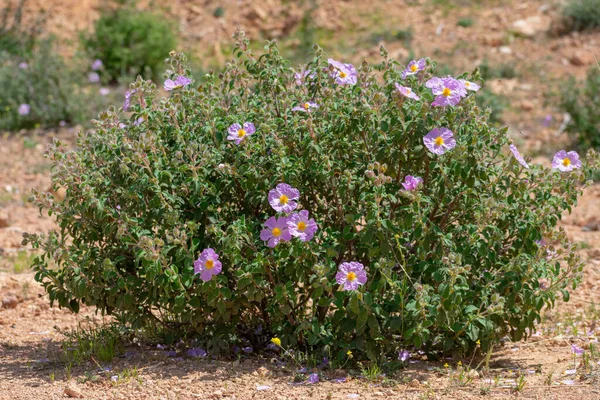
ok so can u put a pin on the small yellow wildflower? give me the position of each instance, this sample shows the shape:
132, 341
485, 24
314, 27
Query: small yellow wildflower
478, 343
349, 354
276, 341
459, 363
446, 365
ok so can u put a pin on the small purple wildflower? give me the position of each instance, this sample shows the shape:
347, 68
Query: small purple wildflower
448, 91
276, 231
300, 77
93, 77
547, 120
23, 65
179, 82
247, 350
472, 86
411, 182
518, 155
403, 355
196, 352
207, 265
439, 140
96, 65
139, 121
306, 107
577, 350
406, 92
312, 379
237, 133
351, 275
114, 378
127, 101
282, 198
303, 370
344, 74
565, 162
104, 91
302, 227
24, 109
413, 68
171, 353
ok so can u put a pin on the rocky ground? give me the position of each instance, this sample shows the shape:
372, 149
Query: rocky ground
520, 36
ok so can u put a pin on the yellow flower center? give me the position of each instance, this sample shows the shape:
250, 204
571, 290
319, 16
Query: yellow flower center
209, 264
241, 133
467, 84
306, 106
301, 226
283, 199
407, 91
343, 74
566, 162
414, 67
276, 232
351, 276
439, 141
446, 92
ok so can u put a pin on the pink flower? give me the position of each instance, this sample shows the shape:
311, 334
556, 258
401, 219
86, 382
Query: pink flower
406, 92
411, 182
518, 155
237, 133
283, 197
302, 227
470, 85
277, 230
438, 141
351, 275
344, 74
414, 67
306, 107
207, 265
179, 82
565, 162
448, 91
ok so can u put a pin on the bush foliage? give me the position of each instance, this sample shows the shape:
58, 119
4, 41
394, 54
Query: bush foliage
130, 42
582, 102
582, 14
456, 262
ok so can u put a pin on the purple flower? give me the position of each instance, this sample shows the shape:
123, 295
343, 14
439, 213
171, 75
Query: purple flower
104, 91
438, 141
312, 379
448, 91
237, 133
207, 265
93, 77
247, 350
564, 161
403, 355
577, 350
96, 65
413, 67
24, 109
139, 121
411, 182
127, 101
179, 82
23, 65
470, 85
282, 198
196, 352
351, 275
302, 227
344, 74
300, 77
547, 120
406, 92
276, 231
306, 107
518, 155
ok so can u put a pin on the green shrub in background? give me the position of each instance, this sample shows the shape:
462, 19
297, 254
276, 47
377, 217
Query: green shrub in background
582, 15
15, 39
130, 42
468, 255
582, 102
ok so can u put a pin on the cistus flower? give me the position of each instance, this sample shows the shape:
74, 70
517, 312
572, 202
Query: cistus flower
344, 74
277, 230
472, 86
448, 91
565, 162
577, 350
406, 92
403, 355
179, 82
439, 140
237, 133
351, 275
302, 227
306, 107
23, 65
411, 182
312, 379
518, 155
300, 77
283, 197
93, 77
96, 65
24, 109
414, 67
207, 265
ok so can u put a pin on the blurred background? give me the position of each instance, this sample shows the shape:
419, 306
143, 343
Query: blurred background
64, 61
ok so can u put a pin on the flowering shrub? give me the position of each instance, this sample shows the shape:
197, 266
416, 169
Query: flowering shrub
372, 223
130, 42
